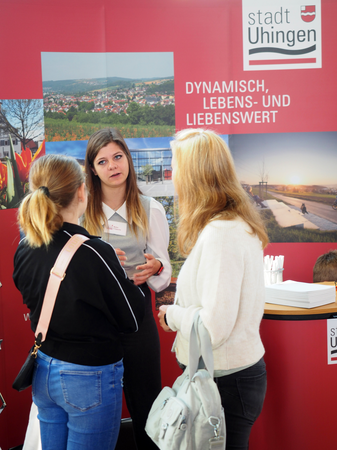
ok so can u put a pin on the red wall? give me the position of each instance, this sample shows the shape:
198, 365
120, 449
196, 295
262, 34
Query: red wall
206, 38
17, 338
299, 409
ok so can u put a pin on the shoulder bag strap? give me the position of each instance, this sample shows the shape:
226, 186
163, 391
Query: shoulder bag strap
57, 274
200, 345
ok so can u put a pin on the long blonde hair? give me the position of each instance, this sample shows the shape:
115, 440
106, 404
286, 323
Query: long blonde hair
53, 183
94, 216
207, 186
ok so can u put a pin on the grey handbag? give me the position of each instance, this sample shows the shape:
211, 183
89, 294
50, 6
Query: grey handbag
189, 416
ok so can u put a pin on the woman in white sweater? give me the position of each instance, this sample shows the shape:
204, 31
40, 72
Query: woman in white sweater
223, 237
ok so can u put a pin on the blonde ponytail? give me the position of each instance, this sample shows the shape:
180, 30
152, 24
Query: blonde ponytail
39, 218
53, 183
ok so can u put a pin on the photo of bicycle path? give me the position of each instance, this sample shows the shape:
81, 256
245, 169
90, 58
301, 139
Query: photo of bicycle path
318, 213
287, 170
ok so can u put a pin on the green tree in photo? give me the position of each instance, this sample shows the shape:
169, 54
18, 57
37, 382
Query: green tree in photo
147, 172
72, 111
135, 113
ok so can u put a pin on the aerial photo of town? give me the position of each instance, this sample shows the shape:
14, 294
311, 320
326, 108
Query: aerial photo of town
145, 108
85, 92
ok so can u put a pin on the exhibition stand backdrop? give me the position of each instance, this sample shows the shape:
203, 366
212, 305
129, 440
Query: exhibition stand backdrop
259, 72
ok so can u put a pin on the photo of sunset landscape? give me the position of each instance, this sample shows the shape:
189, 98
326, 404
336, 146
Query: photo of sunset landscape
295, 176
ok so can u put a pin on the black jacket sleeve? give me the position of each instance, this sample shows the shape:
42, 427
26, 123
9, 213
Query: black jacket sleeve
107, 287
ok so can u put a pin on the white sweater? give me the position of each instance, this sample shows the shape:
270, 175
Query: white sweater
223, 278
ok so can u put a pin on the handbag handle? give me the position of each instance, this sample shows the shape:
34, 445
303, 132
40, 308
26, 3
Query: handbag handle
200, 346
57, 274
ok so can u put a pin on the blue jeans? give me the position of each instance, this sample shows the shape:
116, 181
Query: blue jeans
242, 396
79, 406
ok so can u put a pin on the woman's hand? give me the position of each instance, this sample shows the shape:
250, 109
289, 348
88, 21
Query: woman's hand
148, 269
121, 255
161, 315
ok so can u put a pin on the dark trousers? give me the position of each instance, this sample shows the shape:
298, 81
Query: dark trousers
142, 378
242, 396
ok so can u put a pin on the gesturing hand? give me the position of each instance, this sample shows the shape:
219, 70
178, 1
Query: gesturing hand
146, 270
121, 255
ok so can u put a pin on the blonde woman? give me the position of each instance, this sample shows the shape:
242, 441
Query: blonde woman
223, 237
77, 383
136, 225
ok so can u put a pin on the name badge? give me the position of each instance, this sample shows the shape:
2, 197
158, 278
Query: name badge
116, 228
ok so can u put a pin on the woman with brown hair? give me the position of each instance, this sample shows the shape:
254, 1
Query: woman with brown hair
137, 225
222, 235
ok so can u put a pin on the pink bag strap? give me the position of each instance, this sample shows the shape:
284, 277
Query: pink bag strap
57, 274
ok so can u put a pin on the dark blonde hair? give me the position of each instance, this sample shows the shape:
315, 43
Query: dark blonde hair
53, 183
94, 215
207, 186
325, 268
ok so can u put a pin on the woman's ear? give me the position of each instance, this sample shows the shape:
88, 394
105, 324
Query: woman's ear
82, 192
93, 169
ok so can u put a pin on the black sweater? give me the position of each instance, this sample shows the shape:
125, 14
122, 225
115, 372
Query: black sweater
95, 303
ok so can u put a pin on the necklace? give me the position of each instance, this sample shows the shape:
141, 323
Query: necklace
113, 207
116, 209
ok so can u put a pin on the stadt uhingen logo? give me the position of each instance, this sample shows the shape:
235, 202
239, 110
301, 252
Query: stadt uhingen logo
281, 34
